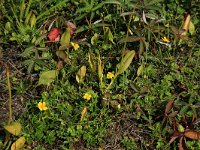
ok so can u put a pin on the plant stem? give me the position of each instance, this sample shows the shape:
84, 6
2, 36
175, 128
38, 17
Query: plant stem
10, 95
112, 81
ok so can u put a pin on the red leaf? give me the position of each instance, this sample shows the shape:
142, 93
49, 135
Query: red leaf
54, 34
71, 27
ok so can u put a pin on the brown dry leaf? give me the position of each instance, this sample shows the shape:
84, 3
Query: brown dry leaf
59, 65
17, 145
62, 55
169, 106
83, 113
194, 135
186, 24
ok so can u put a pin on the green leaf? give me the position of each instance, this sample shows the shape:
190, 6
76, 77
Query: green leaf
91, 61
8, 26
33, 21
65, 38
98, 6
22, 8
82, 28
152, 2
28, 17
81, 74
181, 128
30, 66
28, 8
100, 69
47, 77
108, 35
51, 9
112, 2
125, 62
140, 70
184, 109
191, 28
141, 49
94, 39
28, 51
18, 144
39, 40
14, 128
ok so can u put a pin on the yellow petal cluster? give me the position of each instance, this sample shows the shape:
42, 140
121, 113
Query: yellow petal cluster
75, 45
42, 106
110, 75
166, 40
87, 96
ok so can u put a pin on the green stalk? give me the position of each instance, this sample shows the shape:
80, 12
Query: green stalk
112, 81
10, 95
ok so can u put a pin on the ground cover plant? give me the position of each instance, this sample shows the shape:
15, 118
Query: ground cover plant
104, 74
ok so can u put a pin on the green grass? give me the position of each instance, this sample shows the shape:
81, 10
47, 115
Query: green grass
131, 110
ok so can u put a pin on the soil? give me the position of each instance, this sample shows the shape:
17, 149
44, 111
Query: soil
10, 58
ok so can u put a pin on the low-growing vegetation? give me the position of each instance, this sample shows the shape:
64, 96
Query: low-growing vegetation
104, 74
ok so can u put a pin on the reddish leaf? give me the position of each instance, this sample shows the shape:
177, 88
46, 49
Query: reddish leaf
175, 135
181, 144
173, 114
169, 106
71, 27
173, 139
175, 124
54, 34
185, 120
194, 135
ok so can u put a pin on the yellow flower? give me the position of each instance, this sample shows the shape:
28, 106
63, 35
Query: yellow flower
42, 106
87, 96
110, 75
165, 40
118, 106
75, 45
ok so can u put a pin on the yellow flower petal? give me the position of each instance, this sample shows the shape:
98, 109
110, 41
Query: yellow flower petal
87, 96
42, 106
165, 40
75, 45
110, 75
